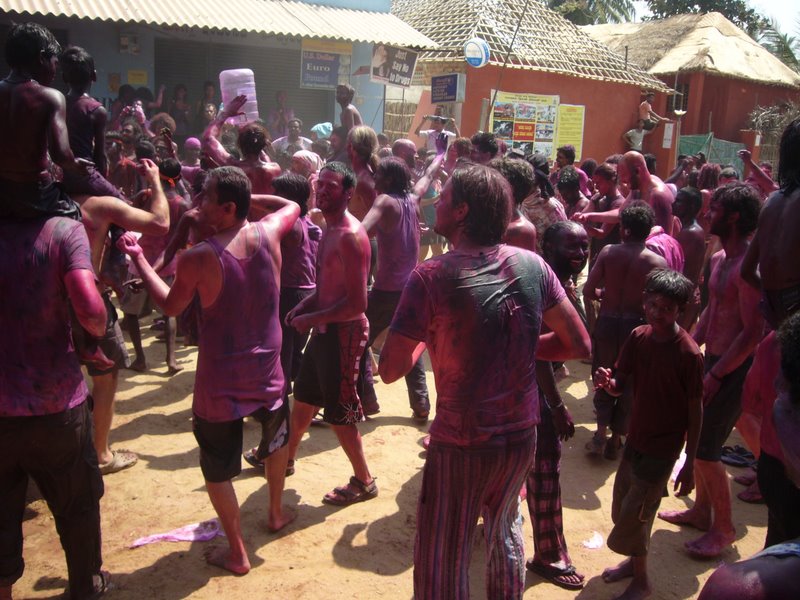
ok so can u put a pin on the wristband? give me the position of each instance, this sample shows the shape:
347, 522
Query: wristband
553, 407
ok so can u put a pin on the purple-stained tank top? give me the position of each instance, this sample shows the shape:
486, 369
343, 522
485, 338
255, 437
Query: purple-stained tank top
79, 124
238, 364
299, 266
398, 249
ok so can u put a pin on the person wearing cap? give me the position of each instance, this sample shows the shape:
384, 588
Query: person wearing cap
437, 138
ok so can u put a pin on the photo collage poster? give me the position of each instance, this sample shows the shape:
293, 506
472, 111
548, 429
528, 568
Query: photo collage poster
526, 121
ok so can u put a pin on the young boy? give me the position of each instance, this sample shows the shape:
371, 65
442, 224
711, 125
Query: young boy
666, 367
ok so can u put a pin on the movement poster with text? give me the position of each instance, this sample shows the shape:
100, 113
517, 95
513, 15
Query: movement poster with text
526, 121
569, 127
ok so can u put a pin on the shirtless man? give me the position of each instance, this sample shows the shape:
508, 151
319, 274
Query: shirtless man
621, 271
350, 116
519, 174
330, 373
253, 139
769, 264
647, 114
99, 214
692, 239
772, 573
240, 262
731, 328
632, 172
33, 122
569, 188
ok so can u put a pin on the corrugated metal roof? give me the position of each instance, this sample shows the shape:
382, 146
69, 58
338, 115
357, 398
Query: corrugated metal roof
278, 17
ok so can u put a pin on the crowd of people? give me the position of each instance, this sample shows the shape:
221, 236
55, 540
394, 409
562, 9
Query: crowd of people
285, 258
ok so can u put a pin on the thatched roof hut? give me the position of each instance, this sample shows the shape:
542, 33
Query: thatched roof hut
545, 40
692, 43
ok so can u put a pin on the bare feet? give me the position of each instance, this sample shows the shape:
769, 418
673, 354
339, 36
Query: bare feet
622, 571
635, 591
690, 517
286, 516
138, 365
710, 545
220, 556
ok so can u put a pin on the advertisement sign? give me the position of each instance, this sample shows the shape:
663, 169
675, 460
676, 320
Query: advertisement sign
324, 64
569, 127
392, 66
447, 88
526, 122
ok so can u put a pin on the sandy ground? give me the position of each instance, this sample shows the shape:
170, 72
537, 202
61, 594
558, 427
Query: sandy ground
363, 551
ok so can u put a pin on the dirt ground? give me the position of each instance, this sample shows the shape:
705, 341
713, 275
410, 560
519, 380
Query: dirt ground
362, 551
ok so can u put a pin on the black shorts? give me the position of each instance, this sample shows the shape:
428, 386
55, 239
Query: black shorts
332, 369
32, 200
221, 442
722, 412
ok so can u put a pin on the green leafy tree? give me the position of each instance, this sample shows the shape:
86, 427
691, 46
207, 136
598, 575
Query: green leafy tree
590, 12
737, 11
785, 47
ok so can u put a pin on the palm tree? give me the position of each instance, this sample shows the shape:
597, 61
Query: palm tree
589, 12
783, 46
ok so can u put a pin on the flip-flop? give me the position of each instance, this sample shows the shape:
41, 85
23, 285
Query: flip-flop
737, 456
750, 496
554, 574
120, 460
745, 479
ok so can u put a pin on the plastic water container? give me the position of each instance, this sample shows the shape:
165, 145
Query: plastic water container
237, 82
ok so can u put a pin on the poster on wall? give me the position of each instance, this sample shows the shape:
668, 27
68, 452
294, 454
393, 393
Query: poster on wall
323, 65
525, 121
569, 127
392, 66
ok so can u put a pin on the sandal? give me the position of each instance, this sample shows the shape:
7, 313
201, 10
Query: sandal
353, 492
102, 584
120, 460
556, 575
612, 448
596, 445
252, 460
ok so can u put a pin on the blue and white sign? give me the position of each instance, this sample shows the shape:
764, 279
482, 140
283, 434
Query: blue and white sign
476, 52
447, 88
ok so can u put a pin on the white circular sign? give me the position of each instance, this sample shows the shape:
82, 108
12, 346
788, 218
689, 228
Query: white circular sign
476, 52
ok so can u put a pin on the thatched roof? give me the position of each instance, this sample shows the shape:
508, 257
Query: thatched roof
686, 43
545, 42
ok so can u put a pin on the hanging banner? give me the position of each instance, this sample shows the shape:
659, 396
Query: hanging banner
526, 122
569, 127
324, 64
392, 66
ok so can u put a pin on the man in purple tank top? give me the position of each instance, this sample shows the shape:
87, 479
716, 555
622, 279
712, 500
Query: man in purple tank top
394, 219
236, 274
